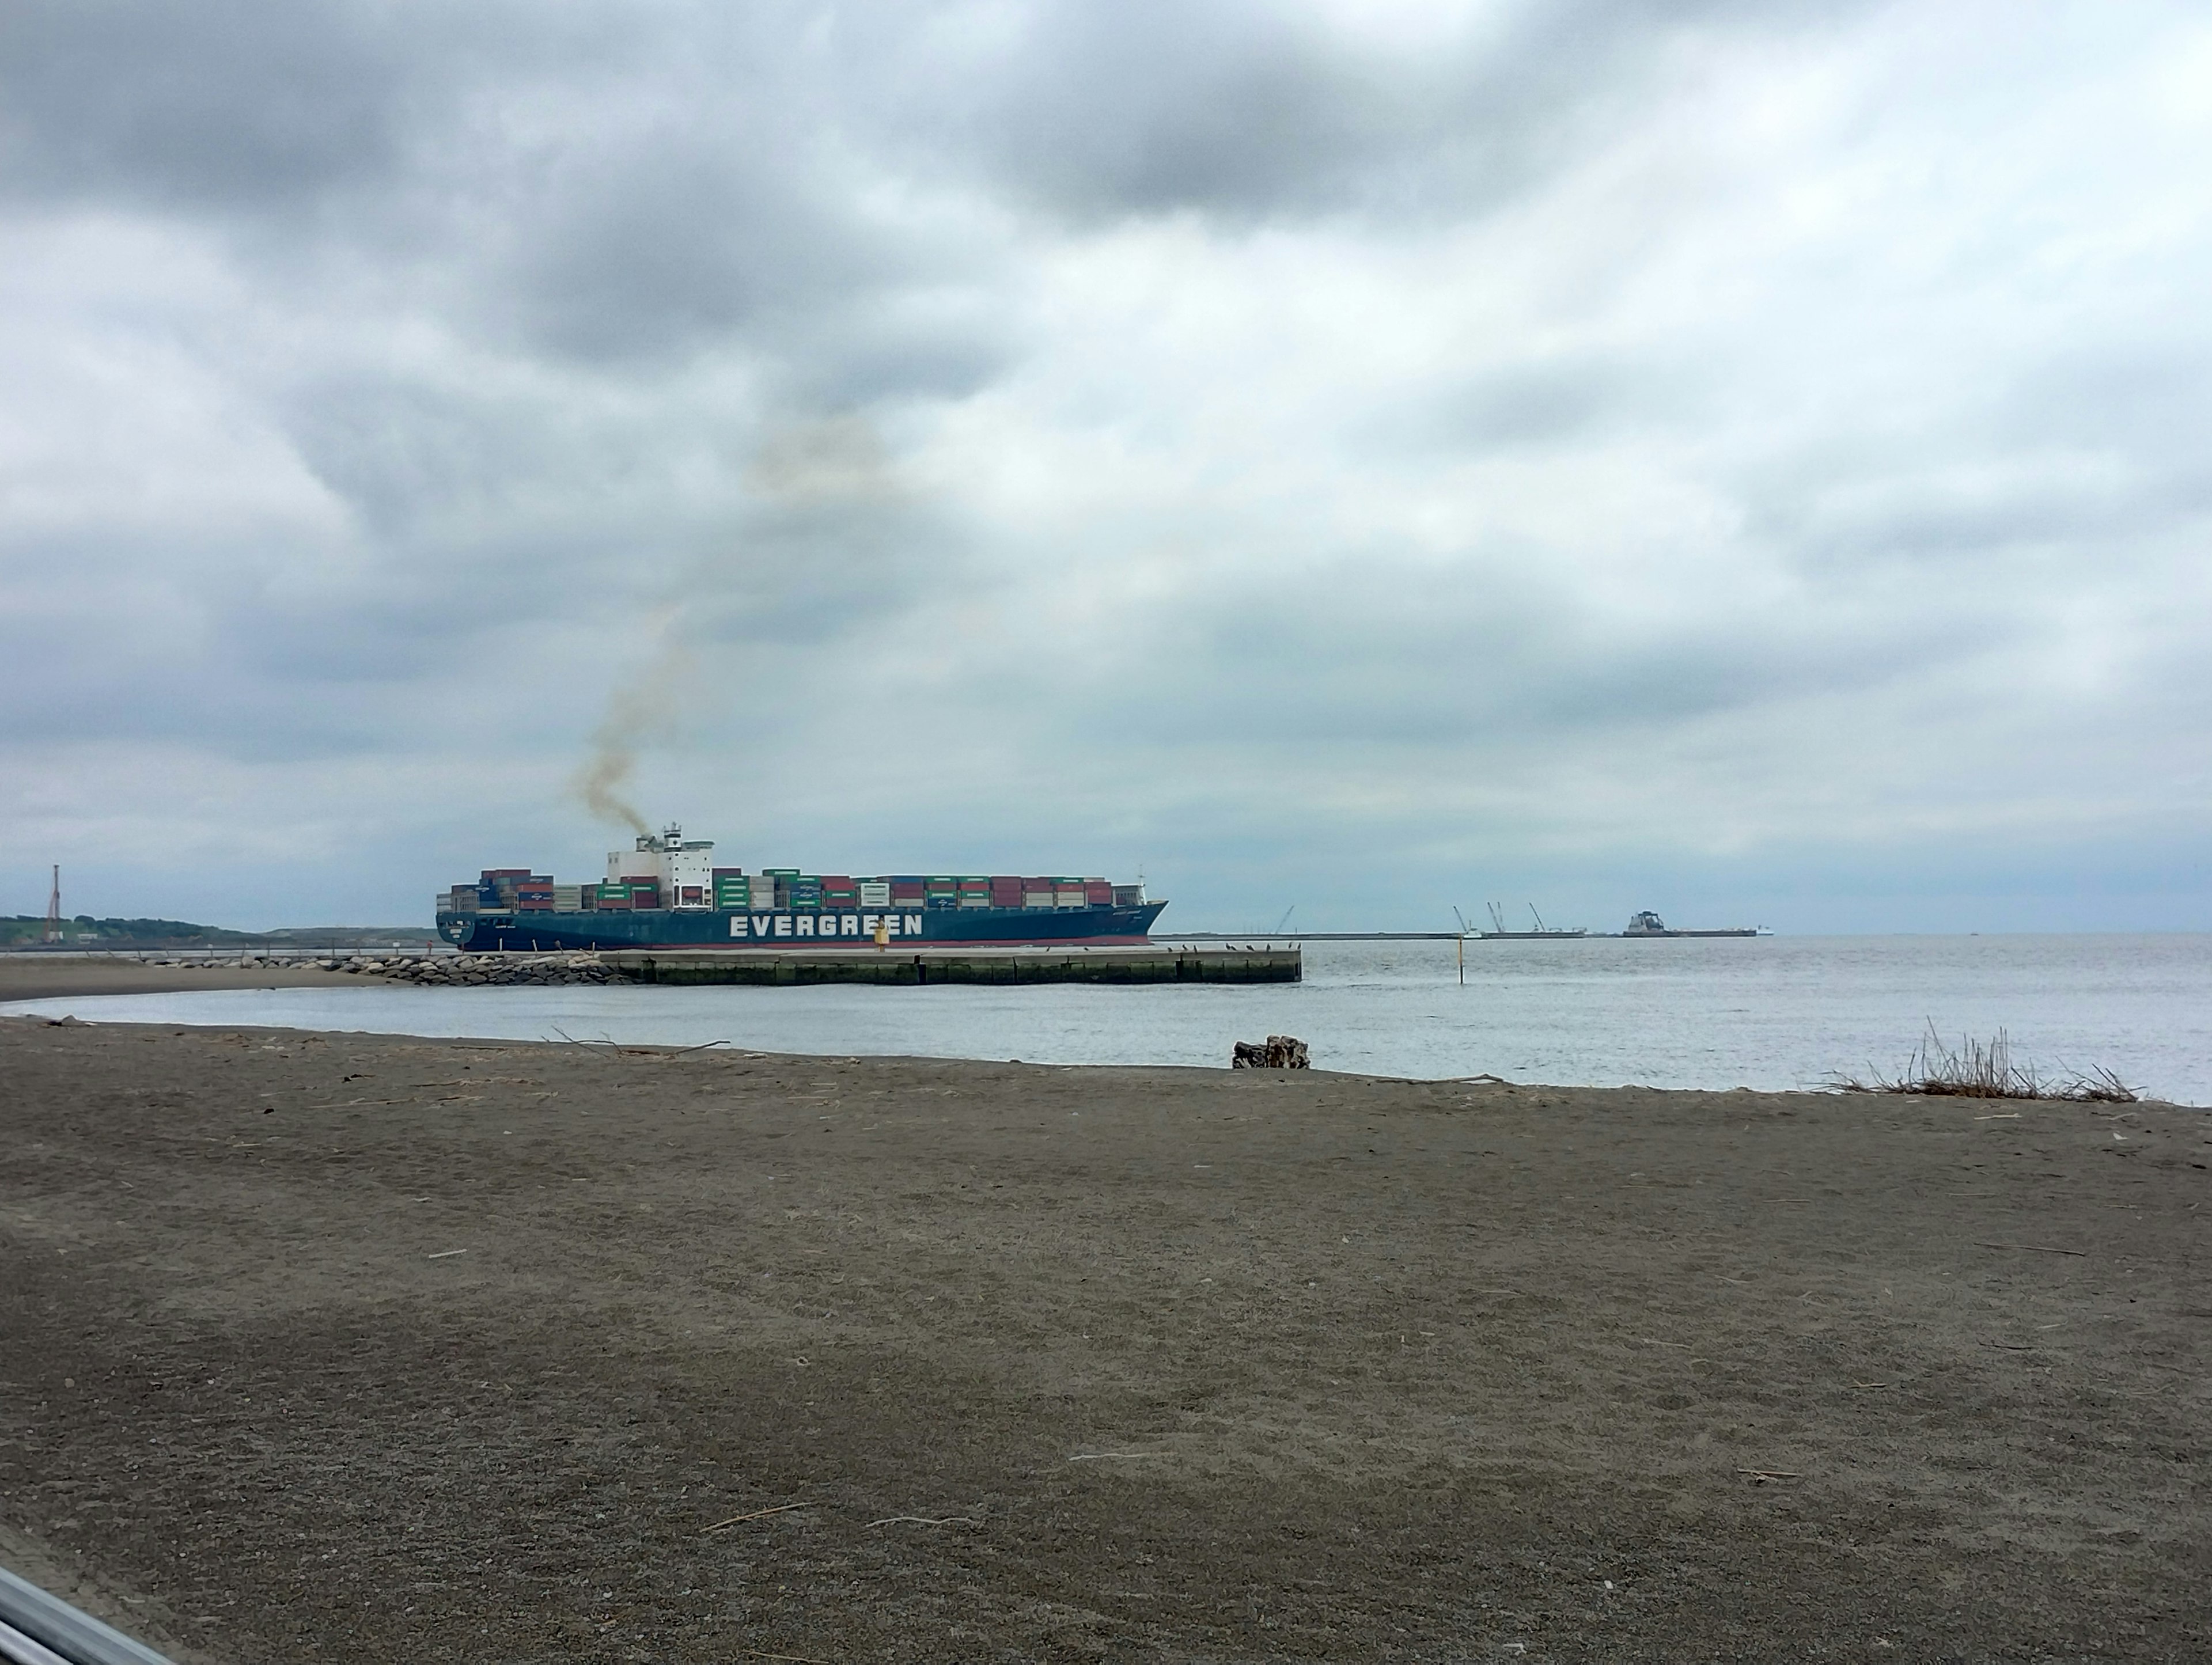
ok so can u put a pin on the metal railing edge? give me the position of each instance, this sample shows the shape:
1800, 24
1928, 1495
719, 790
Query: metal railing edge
53, 1624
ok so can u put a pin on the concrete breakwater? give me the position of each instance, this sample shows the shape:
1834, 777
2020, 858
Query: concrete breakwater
1140, 964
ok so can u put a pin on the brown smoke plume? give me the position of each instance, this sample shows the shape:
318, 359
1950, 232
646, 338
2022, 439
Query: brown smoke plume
804, 467
603, 780
639, 712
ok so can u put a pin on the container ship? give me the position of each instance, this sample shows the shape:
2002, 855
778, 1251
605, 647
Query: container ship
667, 893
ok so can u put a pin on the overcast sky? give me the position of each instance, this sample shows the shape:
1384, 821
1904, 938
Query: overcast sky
1752, 461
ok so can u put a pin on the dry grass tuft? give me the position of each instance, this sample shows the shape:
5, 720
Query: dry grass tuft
1976, 1069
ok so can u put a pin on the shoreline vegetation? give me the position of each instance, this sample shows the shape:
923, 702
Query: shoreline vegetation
449, 1349
1985, 1069
84, 935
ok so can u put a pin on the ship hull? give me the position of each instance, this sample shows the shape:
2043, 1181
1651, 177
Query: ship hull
544, 930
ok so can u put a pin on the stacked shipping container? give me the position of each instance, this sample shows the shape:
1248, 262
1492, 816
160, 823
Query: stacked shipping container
787, 888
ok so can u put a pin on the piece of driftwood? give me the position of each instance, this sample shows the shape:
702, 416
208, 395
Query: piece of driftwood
925, 1520
2037, 1249
780, 1509
1277, 1052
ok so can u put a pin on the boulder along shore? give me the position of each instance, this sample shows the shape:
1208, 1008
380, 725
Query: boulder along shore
340, 1346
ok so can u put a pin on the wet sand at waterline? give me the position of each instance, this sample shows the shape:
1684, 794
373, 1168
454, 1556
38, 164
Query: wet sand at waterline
349, 1347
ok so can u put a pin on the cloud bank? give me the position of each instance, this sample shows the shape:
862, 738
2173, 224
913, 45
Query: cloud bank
1744, 460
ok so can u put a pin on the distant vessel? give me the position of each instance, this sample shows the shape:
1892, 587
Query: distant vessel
1543, 933
669, 893
1649, 924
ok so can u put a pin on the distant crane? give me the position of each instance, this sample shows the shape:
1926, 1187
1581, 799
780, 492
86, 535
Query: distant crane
54, 908
1282, 922
1543, 933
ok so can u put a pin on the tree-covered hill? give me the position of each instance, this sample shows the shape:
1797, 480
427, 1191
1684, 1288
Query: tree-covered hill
100, 932
28, 930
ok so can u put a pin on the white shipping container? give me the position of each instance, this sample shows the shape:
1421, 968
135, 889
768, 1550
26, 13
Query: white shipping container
627, 865
1036, 898
875, 893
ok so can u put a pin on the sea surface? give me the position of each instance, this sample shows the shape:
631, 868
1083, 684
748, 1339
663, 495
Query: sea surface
1766, 1012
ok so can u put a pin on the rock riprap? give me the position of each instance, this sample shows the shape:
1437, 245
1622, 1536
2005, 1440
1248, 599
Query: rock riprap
469, 970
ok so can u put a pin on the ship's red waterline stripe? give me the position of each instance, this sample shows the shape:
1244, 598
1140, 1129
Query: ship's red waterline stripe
861, 944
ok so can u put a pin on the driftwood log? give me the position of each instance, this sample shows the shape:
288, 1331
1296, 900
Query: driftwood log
1277, 1052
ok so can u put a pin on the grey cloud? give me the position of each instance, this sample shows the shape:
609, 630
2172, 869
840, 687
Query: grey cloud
733, 224
801, 575
1249, 111
216, 105
2144, 400
878, 350
1541, 403
662, 249
254, 647
1849, 512
606, 183
1391, 654
606, 326
405, 454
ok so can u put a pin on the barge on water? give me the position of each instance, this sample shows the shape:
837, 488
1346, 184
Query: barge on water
667, 893
1649, 924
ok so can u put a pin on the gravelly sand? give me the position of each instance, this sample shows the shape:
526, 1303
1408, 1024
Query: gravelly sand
1084, 1364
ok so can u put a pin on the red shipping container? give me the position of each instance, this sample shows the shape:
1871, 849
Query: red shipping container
1097, 893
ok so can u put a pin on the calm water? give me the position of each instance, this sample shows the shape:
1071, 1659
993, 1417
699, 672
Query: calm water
1769, 1012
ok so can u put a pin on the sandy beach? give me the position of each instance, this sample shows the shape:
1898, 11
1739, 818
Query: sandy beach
46, 977
346, 1348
